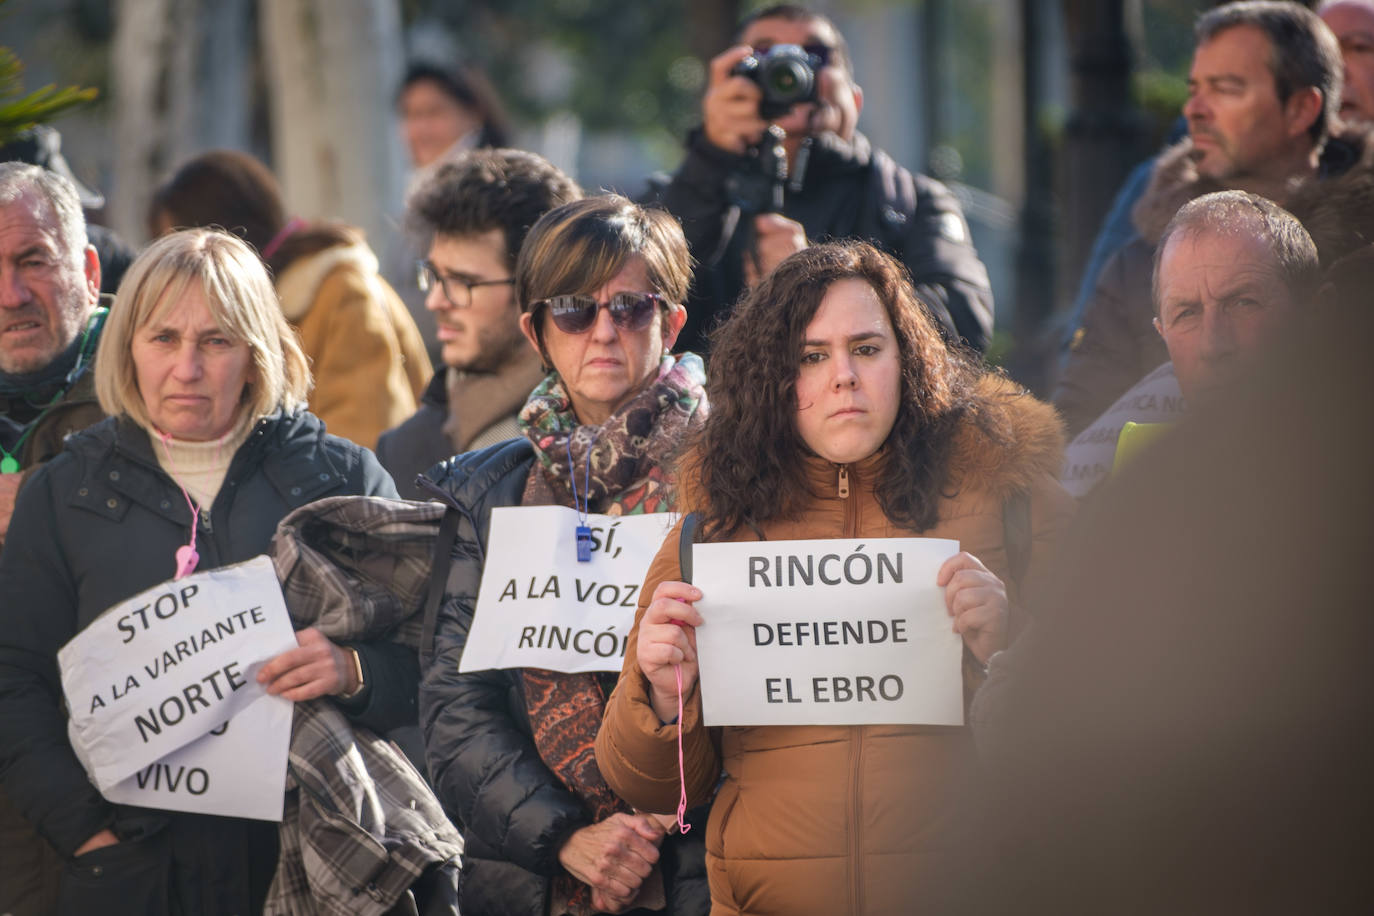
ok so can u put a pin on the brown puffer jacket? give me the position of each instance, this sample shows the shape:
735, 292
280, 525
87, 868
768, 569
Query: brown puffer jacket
366, 355
830, 819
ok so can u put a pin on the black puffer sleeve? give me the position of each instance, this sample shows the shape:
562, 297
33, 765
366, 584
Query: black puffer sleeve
945, 268
38, 615
482, 759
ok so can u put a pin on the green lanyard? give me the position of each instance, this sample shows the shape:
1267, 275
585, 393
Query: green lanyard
9, 463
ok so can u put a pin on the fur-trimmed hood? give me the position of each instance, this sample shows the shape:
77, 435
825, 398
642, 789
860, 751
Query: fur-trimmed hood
1338, 211
298, 286
1348, 157
1026, 441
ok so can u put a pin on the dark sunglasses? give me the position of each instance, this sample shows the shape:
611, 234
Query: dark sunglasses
576, 314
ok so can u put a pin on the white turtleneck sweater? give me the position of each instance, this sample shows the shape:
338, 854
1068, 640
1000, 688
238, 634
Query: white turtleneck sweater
199, 467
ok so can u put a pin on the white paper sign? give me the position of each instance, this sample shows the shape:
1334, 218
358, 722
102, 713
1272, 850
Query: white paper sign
236, 770
827, 632
157, 671
539, 607
1089, 457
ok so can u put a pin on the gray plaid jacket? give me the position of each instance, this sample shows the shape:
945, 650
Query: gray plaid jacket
361, 824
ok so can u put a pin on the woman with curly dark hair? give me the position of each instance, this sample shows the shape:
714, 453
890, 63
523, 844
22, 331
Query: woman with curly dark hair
837, 412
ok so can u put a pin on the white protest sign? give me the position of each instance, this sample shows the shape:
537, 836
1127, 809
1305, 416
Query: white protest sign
159, 670
539, 607
235, 770
827, 632
1088, 459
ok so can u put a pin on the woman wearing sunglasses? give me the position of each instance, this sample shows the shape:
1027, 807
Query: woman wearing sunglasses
510, 752
838, 413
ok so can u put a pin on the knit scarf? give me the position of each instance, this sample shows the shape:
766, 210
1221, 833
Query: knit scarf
622, 460
623, 464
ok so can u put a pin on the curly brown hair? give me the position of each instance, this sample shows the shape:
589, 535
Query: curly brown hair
749, 456
487, 189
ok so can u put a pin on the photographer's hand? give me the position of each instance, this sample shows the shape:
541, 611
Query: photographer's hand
776, 238
730, 108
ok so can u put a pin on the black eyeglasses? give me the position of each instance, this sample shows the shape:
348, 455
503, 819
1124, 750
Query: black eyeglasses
427, 276
576, 314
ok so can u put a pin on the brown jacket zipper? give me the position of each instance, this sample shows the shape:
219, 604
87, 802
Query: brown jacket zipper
856, 743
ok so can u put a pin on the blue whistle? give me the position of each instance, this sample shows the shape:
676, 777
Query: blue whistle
584, 544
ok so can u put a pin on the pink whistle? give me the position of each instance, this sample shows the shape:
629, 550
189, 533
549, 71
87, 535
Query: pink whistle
187, 560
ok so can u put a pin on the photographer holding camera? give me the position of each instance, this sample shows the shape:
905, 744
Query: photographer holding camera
777, 161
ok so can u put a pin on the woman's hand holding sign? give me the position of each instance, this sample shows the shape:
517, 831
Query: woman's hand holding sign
667, 638
977, 600
317, 668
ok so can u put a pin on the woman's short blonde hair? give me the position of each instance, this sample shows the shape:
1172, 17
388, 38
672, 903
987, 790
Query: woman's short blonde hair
242, 300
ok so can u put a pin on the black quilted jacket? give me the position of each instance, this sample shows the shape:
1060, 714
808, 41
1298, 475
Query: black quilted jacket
513, 811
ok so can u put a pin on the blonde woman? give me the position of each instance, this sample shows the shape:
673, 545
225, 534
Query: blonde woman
207, 447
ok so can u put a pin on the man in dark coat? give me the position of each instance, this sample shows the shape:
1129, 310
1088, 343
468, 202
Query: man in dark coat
477, 210
49, 328
49, 288
1264, 90
838, 186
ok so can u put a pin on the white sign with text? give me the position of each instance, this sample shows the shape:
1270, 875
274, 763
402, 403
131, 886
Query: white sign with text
235, 770
158, 671
827, 632
540, 607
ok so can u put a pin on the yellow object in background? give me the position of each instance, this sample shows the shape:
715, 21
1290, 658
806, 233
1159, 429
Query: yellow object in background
1134, 438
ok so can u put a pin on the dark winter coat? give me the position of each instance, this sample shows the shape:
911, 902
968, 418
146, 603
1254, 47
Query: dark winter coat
77, 410
28, 882
74, 409
849, 190
1117, 343
429, 435
420, 441
100, 523
513, 811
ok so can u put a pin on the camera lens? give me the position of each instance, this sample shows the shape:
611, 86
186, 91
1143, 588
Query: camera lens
784, 81
786, 77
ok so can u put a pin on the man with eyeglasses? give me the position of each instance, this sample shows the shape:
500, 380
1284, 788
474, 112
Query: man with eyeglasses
837, 186
477, 209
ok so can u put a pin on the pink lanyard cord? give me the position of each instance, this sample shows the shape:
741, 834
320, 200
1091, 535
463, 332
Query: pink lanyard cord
682, 824
186, 556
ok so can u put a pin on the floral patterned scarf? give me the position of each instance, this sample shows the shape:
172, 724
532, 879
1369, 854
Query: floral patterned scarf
623, 464
625, 468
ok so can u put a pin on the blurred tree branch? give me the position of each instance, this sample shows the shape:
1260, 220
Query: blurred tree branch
20, 111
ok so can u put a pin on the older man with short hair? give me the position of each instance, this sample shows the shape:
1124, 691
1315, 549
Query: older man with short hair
1232, 272
49, 328
49, 324
1264, 90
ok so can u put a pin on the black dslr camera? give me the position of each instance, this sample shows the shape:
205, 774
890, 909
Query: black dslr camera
785, 73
